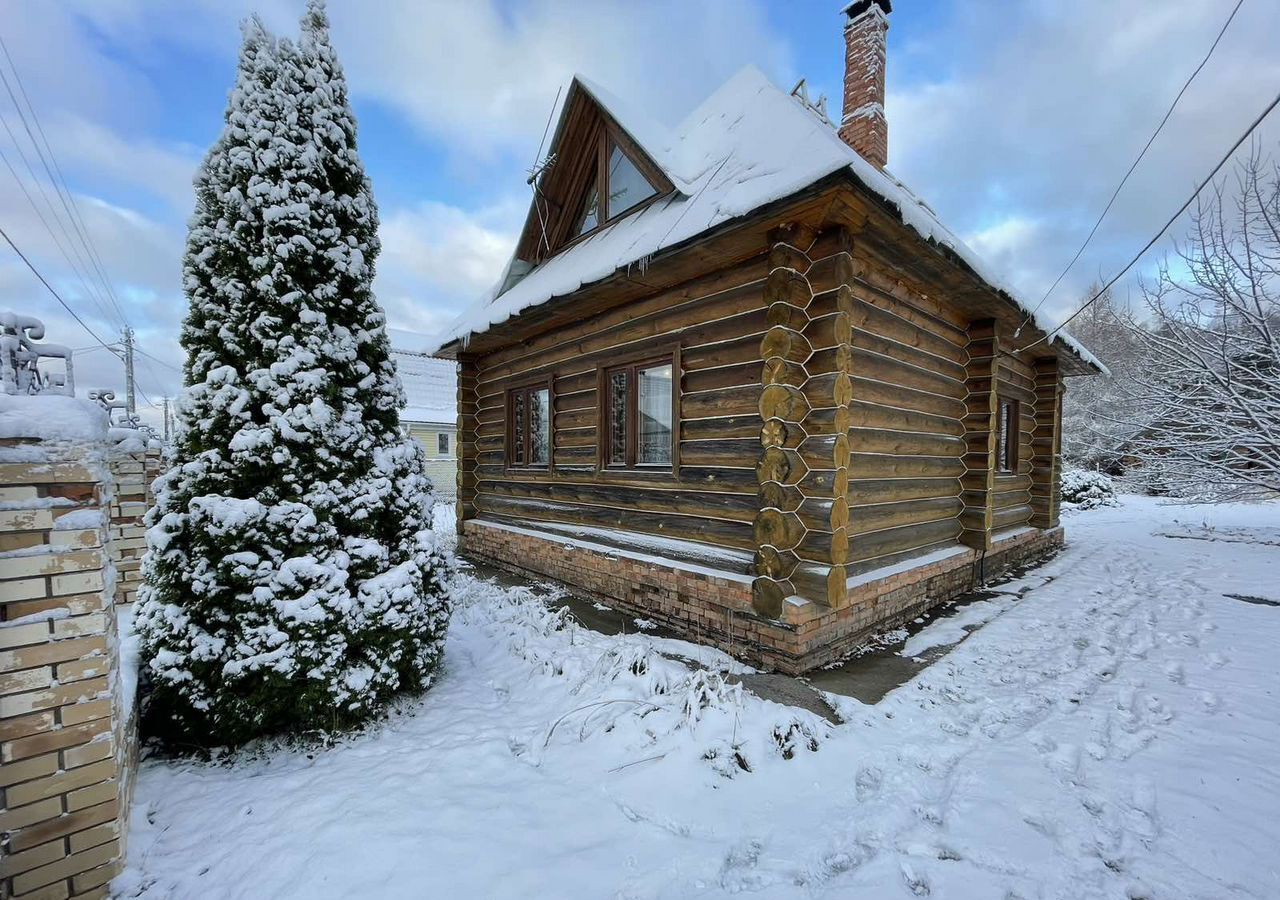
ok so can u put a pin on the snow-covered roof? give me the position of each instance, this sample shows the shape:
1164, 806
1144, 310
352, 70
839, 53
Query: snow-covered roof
430, 385
745, 146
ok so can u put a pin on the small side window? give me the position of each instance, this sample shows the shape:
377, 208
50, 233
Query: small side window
442, 444
1007, 437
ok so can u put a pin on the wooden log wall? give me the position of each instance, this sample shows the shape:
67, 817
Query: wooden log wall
981, 410
801, 528
712, 326
862, 420
908, 439
831, 420
1011, 492
1046, 445
468, 448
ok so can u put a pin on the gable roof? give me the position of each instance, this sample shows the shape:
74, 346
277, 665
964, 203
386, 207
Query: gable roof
430, 385
745, 146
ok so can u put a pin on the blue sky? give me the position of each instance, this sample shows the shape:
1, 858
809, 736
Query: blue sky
1013, 119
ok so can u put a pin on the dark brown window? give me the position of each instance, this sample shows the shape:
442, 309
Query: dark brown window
529, 426
1007, 437
638, 413
614, 186
442, 444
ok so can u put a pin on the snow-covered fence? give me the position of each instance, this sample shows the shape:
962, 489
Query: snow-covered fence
71, 501
20, 355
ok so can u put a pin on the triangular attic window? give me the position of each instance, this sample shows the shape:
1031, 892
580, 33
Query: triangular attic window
599, 174
589, 218
627, 186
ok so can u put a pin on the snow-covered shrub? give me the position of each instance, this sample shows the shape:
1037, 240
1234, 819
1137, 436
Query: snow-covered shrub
294, 582
1084, 489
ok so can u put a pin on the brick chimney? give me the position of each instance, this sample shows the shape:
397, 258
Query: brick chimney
863, 125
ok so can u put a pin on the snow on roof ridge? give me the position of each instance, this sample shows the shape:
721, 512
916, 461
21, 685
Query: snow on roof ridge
744, 157
652, 136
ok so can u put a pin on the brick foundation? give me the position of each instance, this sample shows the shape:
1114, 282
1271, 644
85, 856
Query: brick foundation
714, 608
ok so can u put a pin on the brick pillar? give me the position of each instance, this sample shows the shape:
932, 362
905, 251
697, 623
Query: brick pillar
1046, 445
468, 448
981, 412
132, 474
67, 741
863, 125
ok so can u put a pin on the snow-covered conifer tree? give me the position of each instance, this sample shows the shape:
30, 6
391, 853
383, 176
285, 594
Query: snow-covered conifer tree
293, 581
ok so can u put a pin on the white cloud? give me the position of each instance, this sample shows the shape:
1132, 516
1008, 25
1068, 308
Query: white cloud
1044, 106
106, 157
436, 259
482, 75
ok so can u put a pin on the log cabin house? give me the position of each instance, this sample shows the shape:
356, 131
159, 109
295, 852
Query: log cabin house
737, 379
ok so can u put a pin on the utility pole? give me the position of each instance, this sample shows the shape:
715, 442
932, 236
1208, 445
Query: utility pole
131, 405
166, 420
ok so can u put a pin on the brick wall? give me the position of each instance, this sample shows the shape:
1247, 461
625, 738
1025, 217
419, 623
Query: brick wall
716, 608
132, 474
67, 740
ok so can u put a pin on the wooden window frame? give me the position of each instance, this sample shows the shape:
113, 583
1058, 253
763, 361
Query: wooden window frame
604, 138
527, 388
633, 367
1009, 412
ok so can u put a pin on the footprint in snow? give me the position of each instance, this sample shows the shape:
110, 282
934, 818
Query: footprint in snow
1043, 743
917, 882
1216, 660
1209, 700
1159, 713
1065, 762
867, 783
930, 815
1175, 672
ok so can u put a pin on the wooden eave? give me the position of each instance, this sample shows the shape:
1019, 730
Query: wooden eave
735, 241
937, 271
923, 267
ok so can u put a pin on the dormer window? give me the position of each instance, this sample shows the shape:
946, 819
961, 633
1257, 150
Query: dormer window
627, 187
623, 188
598, 175
589, 220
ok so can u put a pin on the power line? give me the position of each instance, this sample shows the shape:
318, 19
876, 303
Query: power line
59, 182
1120, 186
56, 295
1151, 243
157, 359
89, 292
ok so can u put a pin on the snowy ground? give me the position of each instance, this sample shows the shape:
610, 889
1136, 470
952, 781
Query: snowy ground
1114, 733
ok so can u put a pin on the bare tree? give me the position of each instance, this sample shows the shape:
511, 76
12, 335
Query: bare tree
1097, 418
1208, 386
